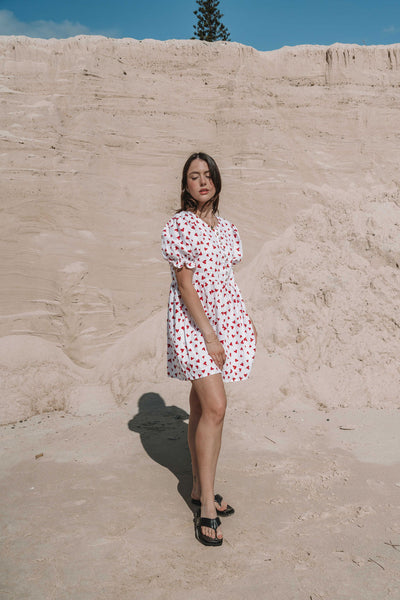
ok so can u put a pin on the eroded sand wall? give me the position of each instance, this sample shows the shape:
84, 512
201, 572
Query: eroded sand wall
94, 132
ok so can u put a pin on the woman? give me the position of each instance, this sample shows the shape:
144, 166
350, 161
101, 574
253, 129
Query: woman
211, 338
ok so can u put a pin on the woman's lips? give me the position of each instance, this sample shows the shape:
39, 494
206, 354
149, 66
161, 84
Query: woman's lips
203, 191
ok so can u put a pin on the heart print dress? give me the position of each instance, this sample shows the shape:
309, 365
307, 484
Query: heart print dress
210, 253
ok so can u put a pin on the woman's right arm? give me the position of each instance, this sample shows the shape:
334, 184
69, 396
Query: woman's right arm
192, 302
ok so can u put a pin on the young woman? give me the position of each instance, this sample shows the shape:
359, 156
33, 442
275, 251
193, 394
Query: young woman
211, 338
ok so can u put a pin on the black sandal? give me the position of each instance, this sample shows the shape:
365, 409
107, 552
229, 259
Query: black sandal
200, 522
221, 513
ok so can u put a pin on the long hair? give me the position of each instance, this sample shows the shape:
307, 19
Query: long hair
189, 203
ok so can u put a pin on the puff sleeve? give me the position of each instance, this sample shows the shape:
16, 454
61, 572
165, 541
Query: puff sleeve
176, 244
237, 246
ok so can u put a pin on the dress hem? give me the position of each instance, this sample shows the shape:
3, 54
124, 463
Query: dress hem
225, 380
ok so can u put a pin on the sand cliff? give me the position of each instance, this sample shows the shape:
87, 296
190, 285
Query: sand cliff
93, 134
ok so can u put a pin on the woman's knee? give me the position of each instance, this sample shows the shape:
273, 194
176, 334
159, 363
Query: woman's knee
212, 398
215, 410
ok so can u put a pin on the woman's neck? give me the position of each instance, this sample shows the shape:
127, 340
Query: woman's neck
205, 213
207, 216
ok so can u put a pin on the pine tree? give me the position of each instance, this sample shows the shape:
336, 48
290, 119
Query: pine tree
209, 25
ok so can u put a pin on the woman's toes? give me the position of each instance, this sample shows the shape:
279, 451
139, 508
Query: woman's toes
211, 532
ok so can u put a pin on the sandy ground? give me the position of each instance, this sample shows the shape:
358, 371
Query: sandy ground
95, 473
104, 513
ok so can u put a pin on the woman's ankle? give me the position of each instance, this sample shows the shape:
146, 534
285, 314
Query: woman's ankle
207, 500
196, 490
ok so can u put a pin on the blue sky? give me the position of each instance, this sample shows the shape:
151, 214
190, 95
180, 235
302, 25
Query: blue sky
263, 24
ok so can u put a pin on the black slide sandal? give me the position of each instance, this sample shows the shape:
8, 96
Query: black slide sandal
221, 513
200, 522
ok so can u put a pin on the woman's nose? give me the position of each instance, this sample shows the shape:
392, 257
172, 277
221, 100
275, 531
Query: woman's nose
203, 180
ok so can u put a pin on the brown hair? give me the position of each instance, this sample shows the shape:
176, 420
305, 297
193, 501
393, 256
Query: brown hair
189, 203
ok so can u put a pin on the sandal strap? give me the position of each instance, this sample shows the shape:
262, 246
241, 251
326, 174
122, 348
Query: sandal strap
218, 498
211, 523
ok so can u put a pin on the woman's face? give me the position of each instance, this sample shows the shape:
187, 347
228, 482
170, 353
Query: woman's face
199, 183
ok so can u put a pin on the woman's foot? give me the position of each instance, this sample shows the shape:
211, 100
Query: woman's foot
209, 512
203, 522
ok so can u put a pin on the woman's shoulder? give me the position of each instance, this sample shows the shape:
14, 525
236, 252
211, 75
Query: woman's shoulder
228, 225
181, 223
182, 217
224, 222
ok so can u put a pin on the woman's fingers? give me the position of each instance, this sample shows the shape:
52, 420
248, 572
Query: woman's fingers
219, 362
216, 350
219, 359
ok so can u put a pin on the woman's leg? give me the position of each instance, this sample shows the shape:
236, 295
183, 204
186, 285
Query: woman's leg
205, 439
194, 418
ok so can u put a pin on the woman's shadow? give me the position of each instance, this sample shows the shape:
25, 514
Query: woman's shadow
163, 433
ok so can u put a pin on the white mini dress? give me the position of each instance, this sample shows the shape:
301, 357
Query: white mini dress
210, 253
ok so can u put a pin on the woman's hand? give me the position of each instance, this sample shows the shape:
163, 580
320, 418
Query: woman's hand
216, 350
254, 328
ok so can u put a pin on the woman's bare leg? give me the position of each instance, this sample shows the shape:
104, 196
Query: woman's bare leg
194, 418
205, 439
195, 414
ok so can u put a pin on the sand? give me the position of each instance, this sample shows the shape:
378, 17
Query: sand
95, 473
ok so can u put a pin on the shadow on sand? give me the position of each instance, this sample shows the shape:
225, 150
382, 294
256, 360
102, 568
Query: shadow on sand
163, 433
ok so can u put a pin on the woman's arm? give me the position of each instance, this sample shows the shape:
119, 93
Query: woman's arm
192, 302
